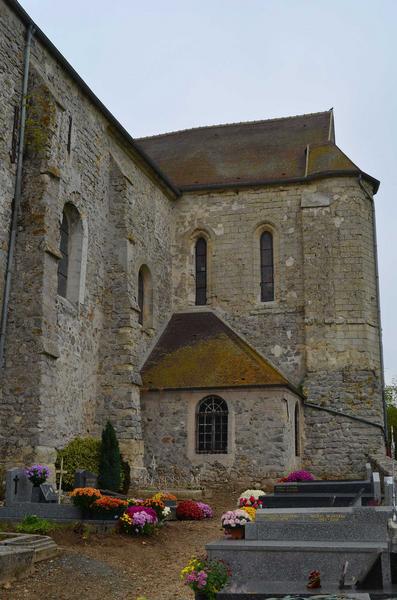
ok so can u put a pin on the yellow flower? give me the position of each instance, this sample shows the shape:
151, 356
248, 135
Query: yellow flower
251, 512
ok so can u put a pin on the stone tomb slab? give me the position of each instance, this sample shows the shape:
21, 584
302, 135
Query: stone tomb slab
308, 500
350, 524
255, 590
352, 487
292, 561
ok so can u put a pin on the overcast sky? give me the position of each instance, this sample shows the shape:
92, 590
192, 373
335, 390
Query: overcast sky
163, 65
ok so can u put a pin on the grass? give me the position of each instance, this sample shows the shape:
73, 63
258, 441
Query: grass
35, 525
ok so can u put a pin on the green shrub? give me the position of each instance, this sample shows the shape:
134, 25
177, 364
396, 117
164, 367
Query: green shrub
34, 524
392, 423
110, 463
80, 453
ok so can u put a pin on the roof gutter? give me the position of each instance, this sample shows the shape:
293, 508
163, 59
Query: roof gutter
159, 175
265, 182
378, 310
17, 193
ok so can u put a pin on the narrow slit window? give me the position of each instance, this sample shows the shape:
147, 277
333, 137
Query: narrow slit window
212, 426
297, 431
267, 267
141, 296
64, 261
201, 272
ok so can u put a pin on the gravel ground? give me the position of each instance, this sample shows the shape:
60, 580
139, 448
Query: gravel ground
119, 567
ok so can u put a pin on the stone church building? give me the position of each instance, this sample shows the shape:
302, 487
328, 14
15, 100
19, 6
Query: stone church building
212, 292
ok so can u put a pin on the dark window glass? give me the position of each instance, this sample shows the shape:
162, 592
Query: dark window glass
297, 432
211, 426
141, 296
267, 267
201, 272
64, 261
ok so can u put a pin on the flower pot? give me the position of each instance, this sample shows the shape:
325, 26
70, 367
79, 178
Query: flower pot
235, 533
200, 596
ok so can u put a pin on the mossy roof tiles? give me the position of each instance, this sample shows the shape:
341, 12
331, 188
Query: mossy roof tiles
250, 153
198, 350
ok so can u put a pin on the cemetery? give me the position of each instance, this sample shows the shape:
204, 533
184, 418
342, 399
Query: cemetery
307, 538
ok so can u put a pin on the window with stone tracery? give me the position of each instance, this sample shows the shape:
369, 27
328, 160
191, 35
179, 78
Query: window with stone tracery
212, 426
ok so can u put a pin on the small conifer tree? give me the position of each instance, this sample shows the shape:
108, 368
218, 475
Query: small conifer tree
110, 461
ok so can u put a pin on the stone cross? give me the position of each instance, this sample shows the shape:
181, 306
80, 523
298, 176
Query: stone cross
61, 473
153, 470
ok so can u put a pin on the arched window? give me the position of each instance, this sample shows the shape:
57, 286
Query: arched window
267, 267
211, 426
73, 248
64, 261
145, 296
297, 431
201, 272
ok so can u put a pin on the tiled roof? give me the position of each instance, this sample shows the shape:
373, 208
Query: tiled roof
198, 350
250, 153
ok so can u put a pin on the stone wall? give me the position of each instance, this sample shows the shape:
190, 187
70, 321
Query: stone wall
233, 222
70, 366
11, 59
260, 435
322, 329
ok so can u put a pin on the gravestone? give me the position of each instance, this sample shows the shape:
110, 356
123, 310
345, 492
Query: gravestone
18, 487
83, 478
48, 492
376, 488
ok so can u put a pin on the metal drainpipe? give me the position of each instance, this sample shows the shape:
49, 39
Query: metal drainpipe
382, 373
17, 195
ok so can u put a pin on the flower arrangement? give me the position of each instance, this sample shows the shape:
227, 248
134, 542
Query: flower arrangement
205, 576
297, 476
109, 506
251, 512
206, 509
85, 497
235, 518
138, 520
157, 505
188, 510
251, 498
37, 474
164, 497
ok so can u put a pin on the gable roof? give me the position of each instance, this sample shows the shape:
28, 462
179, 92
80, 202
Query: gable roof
252, 153
198, 350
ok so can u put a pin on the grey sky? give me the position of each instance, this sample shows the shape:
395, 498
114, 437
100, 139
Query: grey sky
167, 65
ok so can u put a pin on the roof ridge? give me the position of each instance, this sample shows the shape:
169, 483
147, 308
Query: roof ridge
254, 122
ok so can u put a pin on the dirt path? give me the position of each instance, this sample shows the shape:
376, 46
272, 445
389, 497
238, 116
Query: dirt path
118, 567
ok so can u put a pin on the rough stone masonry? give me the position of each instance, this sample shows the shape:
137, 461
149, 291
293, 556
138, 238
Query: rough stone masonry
136, 210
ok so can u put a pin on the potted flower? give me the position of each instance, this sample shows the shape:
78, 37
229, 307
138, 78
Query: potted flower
189, 510
85, 498
251, 498
138, 520
108, 507
234, 521
37, 474
299, 476
205, 577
